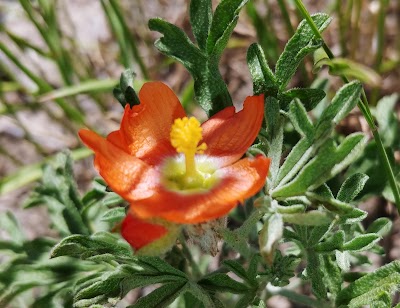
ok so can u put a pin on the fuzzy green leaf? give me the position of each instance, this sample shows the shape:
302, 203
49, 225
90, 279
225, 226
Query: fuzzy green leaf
224, 21
10, 225
162, 296
82, 246
222, 283
275, 125
301, 43
361, 242
343, 102
200, 19
297, 158
380, 226
328, 162
263, 78
311, 218
269, 236
352, 187
315, 273
210, 89
332, 243
368, 288
114, 215
309, 97
300, 120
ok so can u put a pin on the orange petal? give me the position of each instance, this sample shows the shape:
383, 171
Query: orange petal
139, 233
146, 127
237, 182
128, 176
228, 135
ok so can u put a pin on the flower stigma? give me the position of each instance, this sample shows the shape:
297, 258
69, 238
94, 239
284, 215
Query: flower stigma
186, 134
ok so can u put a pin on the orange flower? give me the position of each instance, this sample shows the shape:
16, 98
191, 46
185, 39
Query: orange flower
169, 167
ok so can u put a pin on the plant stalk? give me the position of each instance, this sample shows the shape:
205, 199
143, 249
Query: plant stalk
364, 107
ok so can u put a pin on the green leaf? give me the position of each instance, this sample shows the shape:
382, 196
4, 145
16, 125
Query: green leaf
275, 123
224, 21
282, 269
315, 273
222, 283
388, 123
201, 294
238, 238
210, 89
361, 242
309, 97
301, 43
370, 287
162, 296
235, 267
348, 68
381, 226
328, 162
332, 275
263, 78
82, 246
200, 19
176, 44
269, 236
343, 102
59, 192
311, 218
334, 242
297, 158
125, 92
352, 187
300, 120
114, 215
10, 225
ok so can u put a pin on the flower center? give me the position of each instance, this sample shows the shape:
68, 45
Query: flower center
185, 137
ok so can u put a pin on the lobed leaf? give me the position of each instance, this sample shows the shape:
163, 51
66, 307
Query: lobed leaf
200, 20
222, 283
162, 296
224, 21
264, 80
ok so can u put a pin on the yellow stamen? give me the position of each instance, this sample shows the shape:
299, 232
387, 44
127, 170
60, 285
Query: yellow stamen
185, 137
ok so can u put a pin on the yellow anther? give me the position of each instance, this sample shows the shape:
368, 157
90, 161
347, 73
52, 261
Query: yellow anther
185, 137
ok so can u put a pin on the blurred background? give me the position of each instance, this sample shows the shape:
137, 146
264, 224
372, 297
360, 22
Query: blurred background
59, 61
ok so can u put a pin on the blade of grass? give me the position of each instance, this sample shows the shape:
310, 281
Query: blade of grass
84, 87
286, 17
118, 31
364, 107
31, 173
380, 40
43, 86
129, 38
49, 30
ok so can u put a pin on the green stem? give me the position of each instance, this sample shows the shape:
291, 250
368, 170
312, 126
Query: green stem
286, 17
363, 105
186, 251
380, 37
